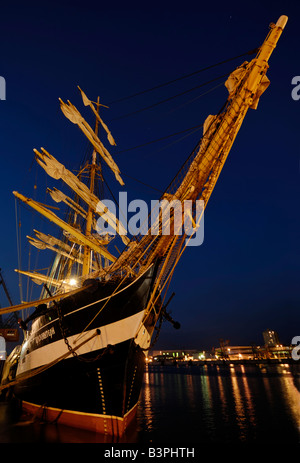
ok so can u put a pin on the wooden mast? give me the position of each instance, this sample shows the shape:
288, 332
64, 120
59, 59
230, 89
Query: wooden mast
89, 218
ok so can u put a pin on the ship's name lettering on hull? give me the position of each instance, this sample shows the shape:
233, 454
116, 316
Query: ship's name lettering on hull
45, 335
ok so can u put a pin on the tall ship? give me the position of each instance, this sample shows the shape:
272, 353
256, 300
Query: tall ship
86, 341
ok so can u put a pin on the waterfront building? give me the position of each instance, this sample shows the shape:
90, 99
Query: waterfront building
179, 355
238, 352
228, 352
253, 352
271, 338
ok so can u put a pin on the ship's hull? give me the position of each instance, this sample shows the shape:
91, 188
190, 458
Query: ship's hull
100, 396
96, 386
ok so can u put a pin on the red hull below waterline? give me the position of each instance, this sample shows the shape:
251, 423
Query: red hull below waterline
102, 424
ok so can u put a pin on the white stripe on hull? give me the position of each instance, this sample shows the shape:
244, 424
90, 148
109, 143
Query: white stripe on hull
113, 333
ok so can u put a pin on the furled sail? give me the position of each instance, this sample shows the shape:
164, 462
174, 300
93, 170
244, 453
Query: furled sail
236, 77
85, 240
58, 196
58, 171
52, 241
72, 113
88, 102
42, 245
40, 279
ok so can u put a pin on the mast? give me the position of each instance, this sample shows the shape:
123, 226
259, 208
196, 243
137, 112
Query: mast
89, 218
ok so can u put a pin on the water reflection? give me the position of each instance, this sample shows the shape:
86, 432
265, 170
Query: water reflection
290, 391
192, 404
238, 404
244, 403
248, 397
221, 404
148, 413
222, 394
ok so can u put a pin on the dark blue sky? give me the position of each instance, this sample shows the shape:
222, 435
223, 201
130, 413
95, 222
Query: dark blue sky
245, 276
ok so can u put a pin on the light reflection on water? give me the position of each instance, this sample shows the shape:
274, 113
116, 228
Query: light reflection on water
193, 404
220, 404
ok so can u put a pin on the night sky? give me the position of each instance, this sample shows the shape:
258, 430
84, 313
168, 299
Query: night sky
245, 276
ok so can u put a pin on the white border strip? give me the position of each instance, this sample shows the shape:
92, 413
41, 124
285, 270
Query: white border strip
113, 333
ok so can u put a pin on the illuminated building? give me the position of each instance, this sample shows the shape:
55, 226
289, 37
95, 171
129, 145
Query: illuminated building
179, 355
271, 338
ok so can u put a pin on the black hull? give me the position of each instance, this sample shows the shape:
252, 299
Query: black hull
99, 382
104, 389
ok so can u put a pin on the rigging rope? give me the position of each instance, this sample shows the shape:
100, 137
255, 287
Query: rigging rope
250, 52
168, 99
160, 139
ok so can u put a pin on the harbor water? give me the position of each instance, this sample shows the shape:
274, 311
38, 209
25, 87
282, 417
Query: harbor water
186, 404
